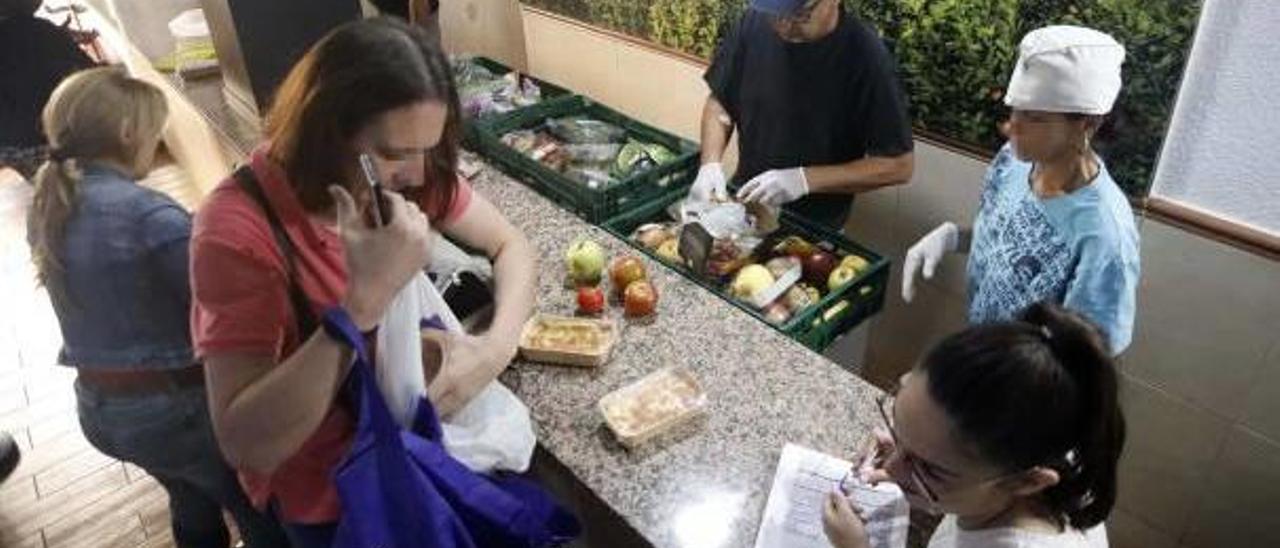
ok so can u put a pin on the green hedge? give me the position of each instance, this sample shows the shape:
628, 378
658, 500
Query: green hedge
955, 57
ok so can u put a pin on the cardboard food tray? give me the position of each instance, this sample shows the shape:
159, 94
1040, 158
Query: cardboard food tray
676, 389
538, 351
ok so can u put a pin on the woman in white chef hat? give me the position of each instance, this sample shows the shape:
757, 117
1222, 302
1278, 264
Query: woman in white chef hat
1051, 224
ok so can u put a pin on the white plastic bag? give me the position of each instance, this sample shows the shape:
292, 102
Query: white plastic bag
492, 431
447, 260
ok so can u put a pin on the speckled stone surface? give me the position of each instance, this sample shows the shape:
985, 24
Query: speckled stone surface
706, 485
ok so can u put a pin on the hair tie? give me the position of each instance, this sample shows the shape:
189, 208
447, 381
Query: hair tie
58, 154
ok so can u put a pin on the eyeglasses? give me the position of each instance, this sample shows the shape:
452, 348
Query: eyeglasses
916, 475
882, 404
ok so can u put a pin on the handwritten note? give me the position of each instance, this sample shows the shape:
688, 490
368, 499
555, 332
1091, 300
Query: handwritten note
793, 513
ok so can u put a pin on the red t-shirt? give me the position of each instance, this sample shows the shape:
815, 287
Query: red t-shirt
241, 305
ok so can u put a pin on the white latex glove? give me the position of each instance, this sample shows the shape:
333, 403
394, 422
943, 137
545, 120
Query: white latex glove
775, 187
709, 184
927, 253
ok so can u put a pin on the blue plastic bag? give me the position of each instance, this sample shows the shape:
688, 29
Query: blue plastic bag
400, 489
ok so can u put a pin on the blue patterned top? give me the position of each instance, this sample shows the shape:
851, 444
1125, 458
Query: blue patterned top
1079, 250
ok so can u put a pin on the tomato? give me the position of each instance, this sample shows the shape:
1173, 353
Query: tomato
590, 299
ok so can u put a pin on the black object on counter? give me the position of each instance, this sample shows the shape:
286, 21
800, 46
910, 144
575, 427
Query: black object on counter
695, 247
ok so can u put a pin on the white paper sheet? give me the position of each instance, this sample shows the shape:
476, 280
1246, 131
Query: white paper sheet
793, 513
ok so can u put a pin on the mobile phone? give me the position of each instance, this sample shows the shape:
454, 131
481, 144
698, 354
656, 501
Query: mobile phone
381, 215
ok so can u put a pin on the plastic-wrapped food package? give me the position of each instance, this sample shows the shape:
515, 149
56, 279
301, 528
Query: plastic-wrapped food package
580, 131
653, 405
593, 153
483, 93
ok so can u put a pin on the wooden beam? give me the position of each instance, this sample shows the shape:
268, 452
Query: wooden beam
1193, 219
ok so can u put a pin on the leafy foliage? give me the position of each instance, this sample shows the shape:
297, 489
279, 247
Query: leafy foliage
955, 57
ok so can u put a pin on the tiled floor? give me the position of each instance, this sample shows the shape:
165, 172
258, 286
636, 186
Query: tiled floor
64, 493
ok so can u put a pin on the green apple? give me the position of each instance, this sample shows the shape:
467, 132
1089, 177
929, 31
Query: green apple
670, 251
858, 264
840, 276
750, 280
585, 262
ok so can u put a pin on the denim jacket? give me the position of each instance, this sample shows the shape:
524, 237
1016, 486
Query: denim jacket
127, 293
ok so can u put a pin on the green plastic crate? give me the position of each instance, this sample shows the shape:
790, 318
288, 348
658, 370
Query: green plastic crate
470, 127
594, 205
817, 326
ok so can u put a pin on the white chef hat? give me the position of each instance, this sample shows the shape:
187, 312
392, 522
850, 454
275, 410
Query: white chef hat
1066, 69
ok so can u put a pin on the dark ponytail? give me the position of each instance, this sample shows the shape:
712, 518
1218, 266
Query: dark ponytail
1041, 391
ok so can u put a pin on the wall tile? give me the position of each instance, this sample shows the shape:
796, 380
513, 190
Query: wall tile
484, 27
1263, 410
1239, 499
946, 187
1206, 317
1168, 456
1124, 530
902, 332
871, 223
660, 90
583, 61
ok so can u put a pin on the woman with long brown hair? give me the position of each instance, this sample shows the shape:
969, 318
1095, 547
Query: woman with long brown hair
288, 237
113, 255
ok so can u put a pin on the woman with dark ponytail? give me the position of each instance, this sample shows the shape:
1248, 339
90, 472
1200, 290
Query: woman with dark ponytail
1013, 430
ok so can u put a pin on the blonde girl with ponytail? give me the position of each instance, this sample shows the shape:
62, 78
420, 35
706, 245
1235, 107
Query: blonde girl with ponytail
97, 116
113, 256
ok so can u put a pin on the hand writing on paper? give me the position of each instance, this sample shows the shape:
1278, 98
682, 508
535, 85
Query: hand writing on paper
842, 524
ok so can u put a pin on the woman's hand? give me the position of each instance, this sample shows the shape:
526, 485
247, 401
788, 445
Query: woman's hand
380, 260
467, 365
841, 523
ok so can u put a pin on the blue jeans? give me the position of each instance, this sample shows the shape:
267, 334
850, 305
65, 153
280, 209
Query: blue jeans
169, 435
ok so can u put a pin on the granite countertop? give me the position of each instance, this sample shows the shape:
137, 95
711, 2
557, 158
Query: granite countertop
706, 485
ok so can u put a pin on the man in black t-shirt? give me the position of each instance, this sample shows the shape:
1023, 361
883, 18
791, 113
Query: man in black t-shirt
815, 99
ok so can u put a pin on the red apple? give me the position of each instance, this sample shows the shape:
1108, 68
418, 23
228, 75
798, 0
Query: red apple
623, 271
590, 299
818, 266
777, 313
640, 299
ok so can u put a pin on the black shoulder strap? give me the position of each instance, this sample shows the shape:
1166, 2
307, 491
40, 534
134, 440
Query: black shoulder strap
301, 305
